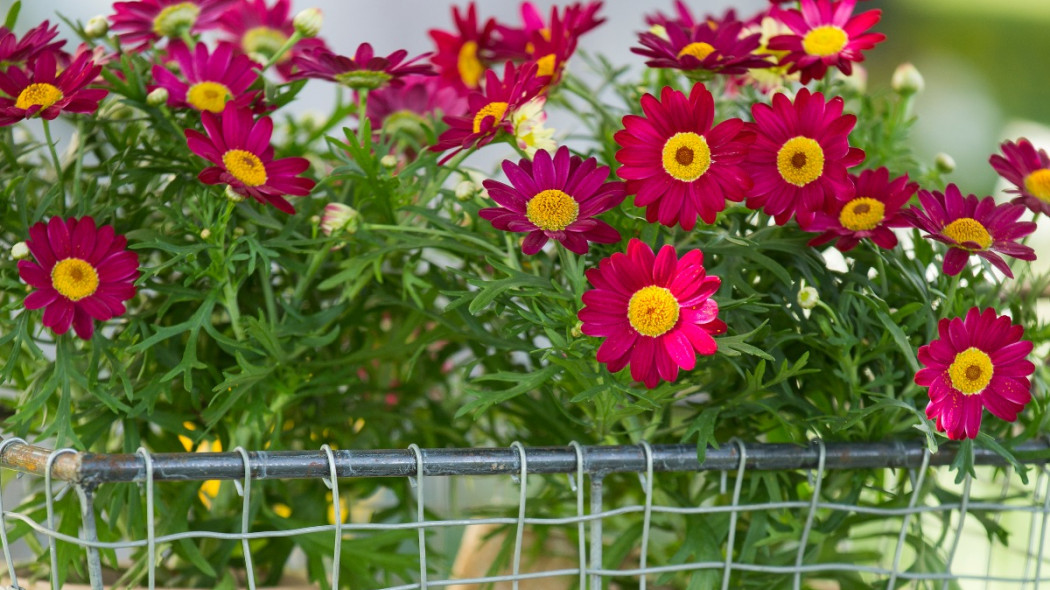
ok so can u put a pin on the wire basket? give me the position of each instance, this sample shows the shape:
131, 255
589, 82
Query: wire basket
594, 549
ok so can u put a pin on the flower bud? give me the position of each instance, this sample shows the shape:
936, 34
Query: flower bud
233, 195
205, 233
944, 163
808, 297
96, 26
388, 161
308, 22
465, 190
577, 330
20, 251
157, 97
907, 80
339, 217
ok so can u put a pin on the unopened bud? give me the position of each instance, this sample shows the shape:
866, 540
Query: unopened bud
96, 26
466, 190
388, 161
20, 251
308, 22
157, 97
944, 163
238, 231
577, 330
233, 195
338, 217
808, 297
205, 233
907, 80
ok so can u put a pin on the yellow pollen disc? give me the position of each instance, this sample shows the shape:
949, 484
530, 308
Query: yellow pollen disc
971, 371
653, 311
496, 110
699, 50
40, 94
173, 20
245, 167
264, 41
552, 210
862, 213
74, 278
825, 41
1038, 184
208, 96
545, 65
968, 229
468, 64
686, 156
800, 161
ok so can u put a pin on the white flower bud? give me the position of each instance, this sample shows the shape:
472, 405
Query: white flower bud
944, 163
157, 97
233, 195
907, 80
205, 233
388, 161
808, 297
20, 251
308, 22
339, 217
96, 26
466, 189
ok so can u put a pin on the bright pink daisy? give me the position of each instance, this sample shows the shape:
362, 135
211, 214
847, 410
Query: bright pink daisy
490, 111
826, 34
800, 155
977, 363
39, 39
80, 274
239, 146
462, 57
654, 311
43, 91
146, 21
208, 80
419, 98
575, 19
364, 71
703, 49
1028, 170
871, 214
677, 163
971, 226
260, 31
555, 198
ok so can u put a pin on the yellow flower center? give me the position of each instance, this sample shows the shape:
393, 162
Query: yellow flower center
545, 65
1038, 184
653, 310
968, 229
208, 96
176, 19
265, 41
552, 210
800, 161
468, 64
862, 213
245, 167
496, 110
686, 156
825, 41
40, 94
74, 278
971, 371
698, 49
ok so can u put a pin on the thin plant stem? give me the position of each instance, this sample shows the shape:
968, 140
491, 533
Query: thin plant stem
55, 161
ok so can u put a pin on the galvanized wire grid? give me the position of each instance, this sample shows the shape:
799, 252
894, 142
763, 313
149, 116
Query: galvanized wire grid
85, 472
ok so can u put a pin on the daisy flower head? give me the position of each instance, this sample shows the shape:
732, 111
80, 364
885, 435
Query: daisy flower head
555, 198
977, 362
364, 71
142, 22
1028, 170
677, 162
491, 110
462, 57
42, 90
517, 43
800, 156
39, 39
703, 49
971, 226
208, 79
654, 311
870, 214
416, 102
261, 31
825, 34
239, 146
80, 273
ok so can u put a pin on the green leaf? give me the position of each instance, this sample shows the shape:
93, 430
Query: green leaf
525, 382
703, 426
194, 555
12, 15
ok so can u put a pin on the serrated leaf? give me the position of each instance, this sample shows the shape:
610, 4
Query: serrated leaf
703, 426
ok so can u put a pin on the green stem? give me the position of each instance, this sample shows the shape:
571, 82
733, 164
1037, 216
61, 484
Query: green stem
229, 290
466, 237
78, 163
949, 299
54, 159
315, 264
296, 36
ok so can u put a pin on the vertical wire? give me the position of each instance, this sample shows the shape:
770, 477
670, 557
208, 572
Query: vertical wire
1043, 476
151, 537
1042, 535
50, 500
916, 489
420, 516
3, 518
596, 530
647, 483
577, 486
332, 481
726, 574
964, 504
245, 491
809, 517
522, 497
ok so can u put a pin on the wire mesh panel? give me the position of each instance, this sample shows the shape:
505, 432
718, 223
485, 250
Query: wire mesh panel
646, 516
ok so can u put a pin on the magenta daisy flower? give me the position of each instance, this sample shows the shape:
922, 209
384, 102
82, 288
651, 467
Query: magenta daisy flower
364, 71
654, 311
800, 155
490, 111
677, 163
146, 21
463, 57
703, 49
977, 363
39, 39
260, 31
418, 98
81, 274
826, 34
1028, 170
208, 81
42, 90
555, 198
871, 214
549, 43
239, 146
971, 226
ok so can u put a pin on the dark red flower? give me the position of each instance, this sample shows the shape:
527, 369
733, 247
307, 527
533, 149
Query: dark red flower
364, 71
826, 34
42, 90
